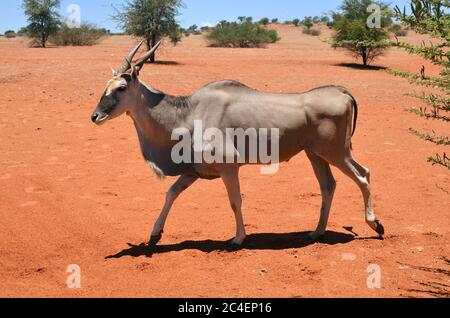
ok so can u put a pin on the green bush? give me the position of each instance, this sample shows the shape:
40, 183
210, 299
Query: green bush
10, 34
245, 34
85, 35
313, 32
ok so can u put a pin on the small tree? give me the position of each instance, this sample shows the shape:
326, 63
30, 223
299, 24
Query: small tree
244, 19
205, 28
354, 33
150, 19
176, 35
274, 21
324, 19
296, 22
431, 17
193, 29
307, 22
264, 21
43, 19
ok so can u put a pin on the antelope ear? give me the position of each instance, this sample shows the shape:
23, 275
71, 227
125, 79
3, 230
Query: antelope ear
134, 73
127, 76
114, 72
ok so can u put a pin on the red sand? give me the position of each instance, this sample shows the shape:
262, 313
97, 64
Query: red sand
73, 193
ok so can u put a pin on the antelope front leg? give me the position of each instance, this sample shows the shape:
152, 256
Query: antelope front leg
179, 187
230, 177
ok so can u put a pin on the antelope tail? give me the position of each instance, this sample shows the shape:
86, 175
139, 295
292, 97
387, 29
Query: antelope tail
355, 109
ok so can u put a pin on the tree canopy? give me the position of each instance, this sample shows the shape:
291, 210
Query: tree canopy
150, 19
430, 17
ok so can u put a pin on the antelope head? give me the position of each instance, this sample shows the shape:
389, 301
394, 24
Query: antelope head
122, 89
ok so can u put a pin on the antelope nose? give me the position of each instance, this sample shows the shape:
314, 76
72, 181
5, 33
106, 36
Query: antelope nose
94, 117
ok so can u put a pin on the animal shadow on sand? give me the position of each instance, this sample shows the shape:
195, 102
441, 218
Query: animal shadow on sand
253, 242
166, 63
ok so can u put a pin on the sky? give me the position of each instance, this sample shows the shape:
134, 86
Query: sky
200, 12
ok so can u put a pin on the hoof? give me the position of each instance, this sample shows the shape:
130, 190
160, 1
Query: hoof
233, 246
313, 236
379, 228
155, 240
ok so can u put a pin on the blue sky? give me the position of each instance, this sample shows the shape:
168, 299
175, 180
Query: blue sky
198, 12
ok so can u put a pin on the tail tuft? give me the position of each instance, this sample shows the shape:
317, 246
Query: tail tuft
355, 117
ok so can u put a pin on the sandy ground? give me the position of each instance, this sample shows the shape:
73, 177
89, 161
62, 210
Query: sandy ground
73, 193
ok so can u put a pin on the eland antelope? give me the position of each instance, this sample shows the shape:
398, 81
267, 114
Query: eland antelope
318, 122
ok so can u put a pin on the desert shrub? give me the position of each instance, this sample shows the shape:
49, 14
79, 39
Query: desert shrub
242, 34
398, 30
313, 32
10, 34
188, 32
274, 21
296, 22
400, 33
85, 35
